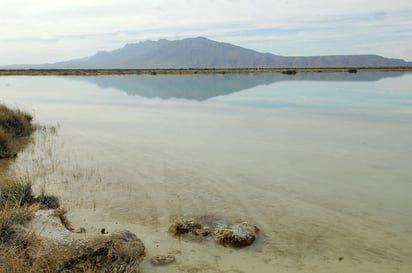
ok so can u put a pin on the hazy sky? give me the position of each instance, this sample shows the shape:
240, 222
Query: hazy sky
39, 31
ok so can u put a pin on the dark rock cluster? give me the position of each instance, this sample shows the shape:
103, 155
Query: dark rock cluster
237, 235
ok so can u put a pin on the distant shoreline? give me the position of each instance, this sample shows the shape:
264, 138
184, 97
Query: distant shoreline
190, 71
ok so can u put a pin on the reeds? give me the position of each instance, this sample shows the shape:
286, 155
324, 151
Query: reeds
17, 203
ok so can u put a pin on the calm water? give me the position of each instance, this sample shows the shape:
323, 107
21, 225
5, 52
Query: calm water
321, 163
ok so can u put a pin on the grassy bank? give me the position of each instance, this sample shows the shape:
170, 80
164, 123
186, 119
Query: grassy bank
291, 70
16, 197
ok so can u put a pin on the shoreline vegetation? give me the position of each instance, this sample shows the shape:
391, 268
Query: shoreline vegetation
23, 248
189, 71
14, 125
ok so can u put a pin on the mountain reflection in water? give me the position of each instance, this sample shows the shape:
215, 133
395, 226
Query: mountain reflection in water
206, 86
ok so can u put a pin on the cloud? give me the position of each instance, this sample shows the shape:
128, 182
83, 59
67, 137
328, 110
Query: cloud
36, 31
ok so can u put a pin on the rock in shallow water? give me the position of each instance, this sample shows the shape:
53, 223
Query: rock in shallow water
237, 235
66, 251
115, 251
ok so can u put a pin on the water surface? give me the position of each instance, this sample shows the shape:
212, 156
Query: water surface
319, 162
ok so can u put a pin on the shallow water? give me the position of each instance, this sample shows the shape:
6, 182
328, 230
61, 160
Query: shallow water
319, 162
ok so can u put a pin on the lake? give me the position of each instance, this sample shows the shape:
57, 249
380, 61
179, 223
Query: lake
321, 163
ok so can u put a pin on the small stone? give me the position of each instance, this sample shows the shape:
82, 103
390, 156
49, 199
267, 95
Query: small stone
162, 259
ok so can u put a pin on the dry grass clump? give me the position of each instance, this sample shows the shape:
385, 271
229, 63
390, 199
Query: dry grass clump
15, 210
10, 219
15, 192
16, 256
16, 207
13, 124
18, 204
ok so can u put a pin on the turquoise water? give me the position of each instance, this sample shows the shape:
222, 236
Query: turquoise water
319, 162
334, 93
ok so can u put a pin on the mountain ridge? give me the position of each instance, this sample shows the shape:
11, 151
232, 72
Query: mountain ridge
201, 52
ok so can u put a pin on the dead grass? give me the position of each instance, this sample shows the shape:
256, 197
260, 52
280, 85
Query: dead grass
17, 203
14, 124
16, 209
15, 192
5, 143
14, 257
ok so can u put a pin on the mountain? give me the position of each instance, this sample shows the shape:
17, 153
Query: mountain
204, 53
